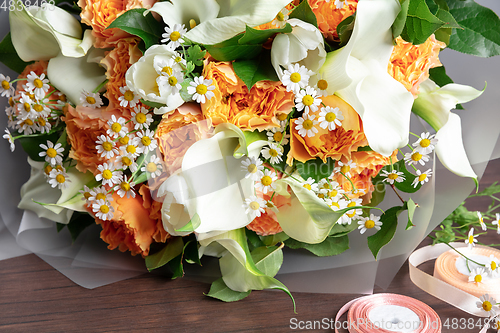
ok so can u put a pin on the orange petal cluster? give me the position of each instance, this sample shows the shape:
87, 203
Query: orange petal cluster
267, 223
329, 17
154, 208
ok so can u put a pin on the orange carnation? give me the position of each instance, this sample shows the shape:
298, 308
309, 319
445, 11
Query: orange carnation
233, 103
335, 144
150, 203
100, 13
410, 64
329, 17
267, 223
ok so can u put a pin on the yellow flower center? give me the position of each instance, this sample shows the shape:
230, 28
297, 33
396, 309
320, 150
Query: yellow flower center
27, 107
322, 84
192, 23
116, 127
60, 179
175, 35
107, 174
273, 152
168, 70
125, 186
416, 156
129, 96
308, 100
478, 278
278, 136
369, 224
307, 124
51, 152
87, 195
100, 196
295, 77
62, 98
5, 85
11, 101
333, 193
335, 204
59, 167
127, 161
425, 143
487, 306
151, 167
471, 239
47, 169
392, 176
321, 195
38, 108
307, 186
280, 17
179, 59
131, 148
351, 204
254, 205
330, 116
124, 140
107, 146
91, 100
140, 118
28, 122
201, 89
146, 140
252, 168
172, 80
38, 83
493, 265
104, 209
282, 116
266, 180
422, 177
345, 169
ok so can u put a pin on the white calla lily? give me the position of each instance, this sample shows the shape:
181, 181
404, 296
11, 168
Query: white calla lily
304, 45
186, 12
41, 34
358, 74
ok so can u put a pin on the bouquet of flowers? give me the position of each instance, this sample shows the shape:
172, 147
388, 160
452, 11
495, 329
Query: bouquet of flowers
207, 128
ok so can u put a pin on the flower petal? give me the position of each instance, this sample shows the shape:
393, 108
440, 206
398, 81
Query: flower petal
182, 11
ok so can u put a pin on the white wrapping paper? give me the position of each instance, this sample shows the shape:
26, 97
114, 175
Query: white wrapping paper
90, 264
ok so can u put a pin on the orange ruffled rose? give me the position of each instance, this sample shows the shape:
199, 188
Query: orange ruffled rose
267, 223
410, 64
335, 144
329, 17
99, 14
233, 103
131, 227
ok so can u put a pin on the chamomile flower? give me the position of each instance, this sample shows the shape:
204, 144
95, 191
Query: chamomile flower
278, 135
100, 193
477, 275
6, 88
39, 85
426, 143
488, 304
471, 239
179, 60
321, 86
58, 178
496, 221
345, 167
337, 205
147, 141
280, 19
166, 66
416, 157
267, 182
494, 266
153, 167
170, 84
282, 118
173, 36
272, 153
296, 77
132, 147
254, 206
306, 125
393, 176
106, 147
125, 188
103, 210
108, 174
481, 221
310, 184
330, 118
26, 126
41, 108
423, 177
52, 153
116, 127
352, 214
335, 192
25, 105
90, 100
307, 100
129, 98
201, 89
253, 168
125, 162
371, 222
7, 136
85, 192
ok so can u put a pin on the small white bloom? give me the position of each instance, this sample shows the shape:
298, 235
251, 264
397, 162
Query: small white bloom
58, 178
179, 60
426, 143
53, 154
276, 135
416, 157
352, 214
423, 177
126, 161
141, 118
306, 125
322, 86
254, 206
38, 85
170, 84
129, 98
8, 136
330, 118
372, 222
85, 192
108, 174
336, 192
494, 266
40, 108
116, 127
173, 36
280, 19
201, 89
6, 89
106, 147
253, 167
153, 167
337, 205
296, 77
310, 184
26, 126
125, 188
393, 176
90, 100
272, 153
481, 221
100, 193
147, 142
25, 105
103, 210
132, 147
267, 182
307, 100
488, 304
495, 222
477, 275
345, 167
471, 239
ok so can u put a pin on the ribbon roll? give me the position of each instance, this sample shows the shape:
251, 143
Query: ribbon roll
389, 313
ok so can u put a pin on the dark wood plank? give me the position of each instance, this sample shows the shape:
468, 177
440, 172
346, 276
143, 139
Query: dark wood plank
35, 297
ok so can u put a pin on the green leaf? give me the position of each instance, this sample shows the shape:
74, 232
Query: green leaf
316, 169
389, 225
345, 29
184, 93
439, 76
490, 190
254, 240
411, 206
195, 55
406, 185
365, 148
219, 290
268, 259
480, 35
253, 70
443, 34
60, 226
191, 253
176, 266
420, 23
378, 193
255, 36
331, 246
31, 144
135, 23
340, 230
400, 21
194, 223
174, 248
274, 239
304, 12
9, 57
152, 104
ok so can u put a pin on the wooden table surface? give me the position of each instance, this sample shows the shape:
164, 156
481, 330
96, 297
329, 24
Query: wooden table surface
34, 297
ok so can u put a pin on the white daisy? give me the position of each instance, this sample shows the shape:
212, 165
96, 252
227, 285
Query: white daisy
100, 193
337, 205
90, 99
201, 89
179, 59
103, 210
53, 154
481, 221
85, 192
254, 206
170, 84
352, 214
147, 142
108, 174
58, 178
26, 126
296, 77
41, 108
25, 106
335, 192
272, 153
488, 304
6, 88
306, 99
494, 266
253, 168
153, 167
345, 167
282, 118
125, 162
477, 275
393, 176
471, 239
321, 86
117, 127
423, 177
276, 135
7, 136
129, 98
496, 221
106, 147
125, 188
416, 157
330, 118
372, 222
426, 143
310, 184
39, 85
306, 125
280, 19
267, 181
132, 147
166, 66
173, 36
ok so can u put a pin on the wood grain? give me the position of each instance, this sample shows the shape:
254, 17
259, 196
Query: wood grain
34, 297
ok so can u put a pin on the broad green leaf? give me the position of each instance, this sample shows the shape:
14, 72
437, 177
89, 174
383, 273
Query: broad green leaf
191, 252
274, 239
173, 249
78, 222
135, 23
255, 36
411, 206
389, 225
420, 23
304, 12
399, 23
230, 50
194, 223
480, 35
439, 76
331, 246
219, 290
443, 34
268, 259
378, 193
176, 266
316, 169
253, 70
195, 55
365, 148
9, 57
345, 28
184, 94
152, 104
254, 240
340, 230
